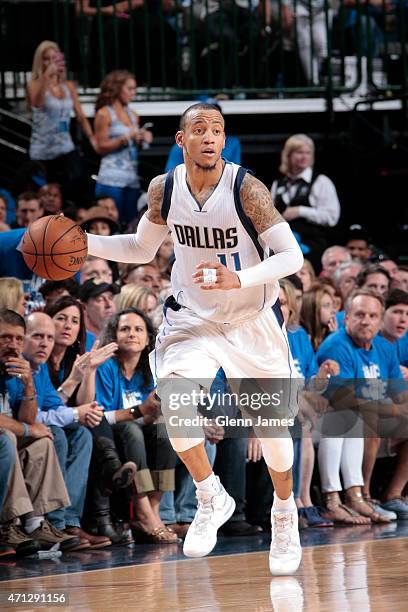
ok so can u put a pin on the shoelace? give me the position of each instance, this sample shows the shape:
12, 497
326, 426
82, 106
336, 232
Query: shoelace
50, 527
281, 532
204, 512
11, 529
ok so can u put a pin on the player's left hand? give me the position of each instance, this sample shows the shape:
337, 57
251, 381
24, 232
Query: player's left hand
225, 278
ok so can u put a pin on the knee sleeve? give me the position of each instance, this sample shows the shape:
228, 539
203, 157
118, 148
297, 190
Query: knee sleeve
180, 412
278, 453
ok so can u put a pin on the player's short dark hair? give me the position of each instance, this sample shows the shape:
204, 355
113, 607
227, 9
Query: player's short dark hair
371, 269
199, 106
394, 297
10, 317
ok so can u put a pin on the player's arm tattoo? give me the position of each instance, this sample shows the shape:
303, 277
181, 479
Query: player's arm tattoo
258, 205
155, 199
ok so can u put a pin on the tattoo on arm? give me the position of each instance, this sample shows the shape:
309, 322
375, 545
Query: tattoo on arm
155, 199
258, 205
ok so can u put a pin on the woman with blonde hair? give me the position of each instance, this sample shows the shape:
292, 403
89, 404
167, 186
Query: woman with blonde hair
318, 314
117, 135
51, 98
12, 296
134, 296
307, 275
306, 199
306, 365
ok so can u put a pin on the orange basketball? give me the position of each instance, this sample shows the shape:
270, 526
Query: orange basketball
54, 247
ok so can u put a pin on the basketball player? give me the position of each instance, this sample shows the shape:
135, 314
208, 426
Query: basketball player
224, 312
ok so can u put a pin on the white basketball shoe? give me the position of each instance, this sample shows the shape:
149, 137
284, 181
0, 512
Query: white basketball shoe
214, 509
285, 553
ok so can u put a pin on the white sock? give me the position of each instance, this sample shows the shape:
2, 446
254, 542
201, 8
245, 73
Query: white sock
210, 485
32, 523
283, 504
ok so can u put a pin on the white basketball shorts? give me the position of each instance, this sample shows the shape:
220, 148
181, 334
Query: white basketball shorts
193, 348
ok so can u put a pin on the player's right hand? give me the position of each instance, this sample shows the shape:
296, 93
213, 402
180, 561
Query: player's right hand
225, 278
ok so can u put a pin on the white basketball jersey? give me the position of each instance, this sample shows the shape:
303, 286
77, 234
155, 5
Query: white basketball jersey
221, 232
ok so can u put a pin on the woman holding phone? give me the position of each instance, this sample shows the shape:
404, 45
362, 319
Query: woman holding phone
118, 136
51, 98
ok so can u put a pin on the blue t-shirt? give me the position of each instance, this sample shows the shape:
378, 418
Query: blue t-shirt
89, 341
11, 260
51, 409
47, 397
302, 352
401, 346
375, 372
340, 318
115, 392
231, 152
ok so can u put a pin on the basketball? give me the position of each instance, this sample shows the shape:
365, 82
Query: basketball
54, 247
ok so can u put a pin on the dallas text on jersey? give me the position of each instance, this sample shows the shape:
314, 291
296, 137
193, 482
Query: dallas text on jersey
206, 237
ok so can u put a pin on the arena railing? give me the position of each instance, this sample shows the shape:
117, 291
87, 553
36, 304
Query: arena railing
182, 49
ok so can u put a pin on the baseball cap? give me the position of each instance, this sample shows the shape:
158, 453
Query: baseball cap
93, 287
357, 232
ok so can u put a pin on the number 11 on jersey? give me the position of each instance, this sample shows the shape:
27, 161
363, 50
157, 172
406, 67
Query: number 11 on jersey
235, 256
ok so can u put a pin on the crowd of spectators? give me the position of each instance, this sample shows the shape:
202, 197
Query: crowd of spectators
85, 400
82, 441
271, 40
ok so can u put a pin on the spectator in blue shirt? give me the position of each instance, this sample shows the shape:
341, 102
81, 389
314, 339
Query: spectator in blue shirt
12, 264
73, 441
370, 362
11, 260
72, 372
124, 386
39, 469
305, 362
395, 325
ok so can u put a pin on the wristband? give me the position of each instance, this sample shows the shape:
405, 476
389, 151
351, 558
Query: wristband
135, 412
29, 398
110, 416
61, 391
76, 415
26, 432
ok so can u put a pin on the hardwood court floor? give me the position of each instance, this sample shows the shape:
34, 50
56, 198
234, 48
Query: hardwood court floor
363, 576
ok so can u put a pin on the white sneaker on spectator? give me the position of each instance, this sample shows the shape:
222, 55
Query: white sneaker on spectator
376, 506
285, 553
214, 509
